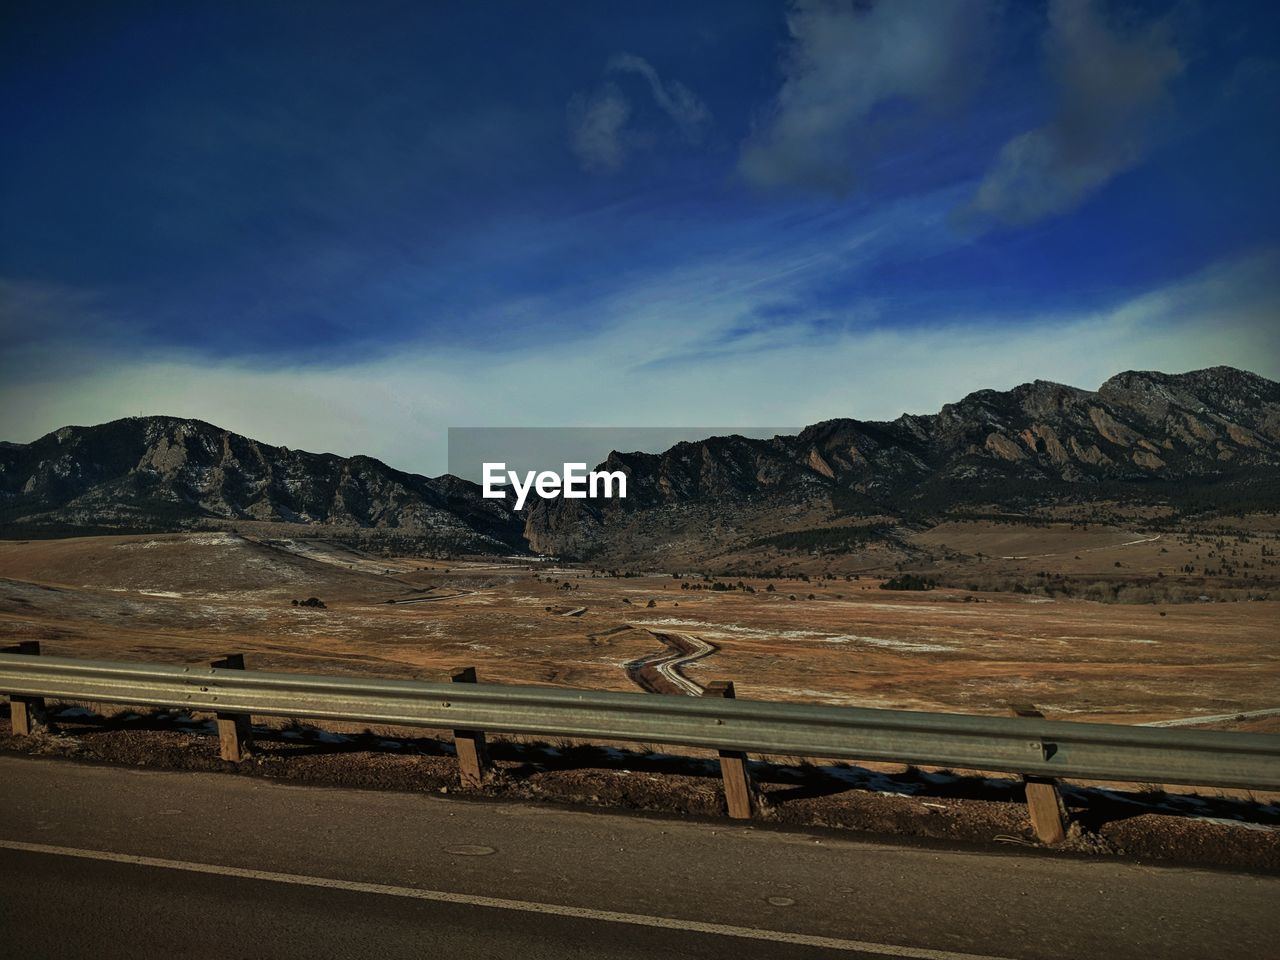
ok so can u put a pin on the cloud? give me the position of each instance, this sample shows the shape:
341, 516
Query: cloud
398, 408
597, 129
1112, 85
600, 134
676, 100
848, 65
30, 310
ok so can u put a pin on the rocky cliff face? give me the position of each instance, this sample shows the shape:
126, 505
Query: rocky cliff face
168, 473
1207, 440
1214, 433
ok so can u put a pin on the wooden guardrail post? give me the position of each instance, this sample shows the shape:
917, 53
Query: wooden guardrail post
473, 753
739, 794
235, 730
25, 712
1044, 803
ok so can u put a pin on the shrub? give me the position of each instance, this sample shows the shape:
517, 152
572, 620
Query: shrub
907, 581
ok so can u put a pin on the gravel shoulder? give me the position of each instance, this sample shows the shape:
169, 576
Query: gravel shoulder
932, 805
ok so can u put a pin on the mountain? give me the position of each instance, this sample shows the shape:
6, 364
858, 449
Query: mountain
166, 473
1208, 440
1202, 443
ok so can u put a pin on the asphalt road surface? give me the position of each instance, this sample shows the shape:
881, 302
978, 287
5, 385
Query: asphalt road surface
107, 862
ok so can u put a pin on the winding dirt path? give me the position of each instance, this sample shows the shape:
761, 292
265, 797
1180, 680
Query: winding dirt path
660, 672
1110, 546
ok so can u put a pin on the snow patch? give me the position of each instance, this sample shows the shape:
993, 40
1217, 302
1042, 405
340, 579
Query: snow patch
913, 645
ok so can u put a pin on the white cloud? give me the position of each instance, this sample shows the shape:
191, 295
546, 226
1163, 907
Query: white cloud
597, 129
398, 409
845, 60
676, 100
600, 130
1112, 85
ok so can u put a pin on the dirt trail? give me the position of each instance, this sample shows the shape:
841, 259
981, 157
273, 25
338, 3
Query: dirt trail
660, 672
443, 596
1110, 546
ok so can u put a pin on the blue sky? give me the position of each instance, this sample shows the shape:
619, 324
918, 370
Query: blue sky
349, 227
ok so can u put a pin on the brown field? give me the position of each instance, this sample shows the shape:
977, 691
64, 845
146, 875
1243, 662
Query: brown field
190, 598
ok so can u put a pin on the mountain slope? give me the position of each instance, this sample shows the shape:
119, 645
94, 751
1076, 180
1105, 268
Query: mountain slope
1204, 442
1209, 439
169, 473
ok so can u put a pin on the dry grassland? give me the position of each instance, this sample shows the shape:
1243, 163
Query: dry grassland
189, 598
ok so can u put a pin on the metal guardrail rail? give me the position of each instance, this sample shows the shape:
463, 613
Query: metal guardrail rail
1032, 747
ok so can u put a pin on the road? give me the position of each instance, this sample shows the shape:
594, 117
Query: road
660, 672
109, 862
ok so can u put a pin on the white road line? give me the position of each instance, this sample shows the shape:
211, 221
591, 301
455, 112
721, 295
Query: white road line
498, 903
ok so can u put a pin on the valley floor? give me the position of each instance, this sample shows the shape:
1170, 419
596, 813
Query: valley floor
193, 597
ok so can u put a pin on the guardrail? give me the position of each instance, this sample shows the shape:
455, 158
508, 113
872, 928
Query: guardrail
1026, 744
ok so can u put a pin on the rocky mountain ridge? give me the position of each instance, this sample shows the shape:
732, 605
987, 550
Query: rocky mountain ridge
1208, 440
168, 473
1213, 434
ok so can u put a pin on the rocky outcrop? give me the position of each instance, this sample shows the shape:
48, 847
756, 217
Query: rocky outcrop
1004, 448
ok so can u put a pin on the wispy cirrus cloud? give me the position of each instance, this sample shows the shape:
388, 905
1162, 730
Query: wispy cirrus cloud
848, 67
636, 368
675, 99
601, 134
1112, 85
